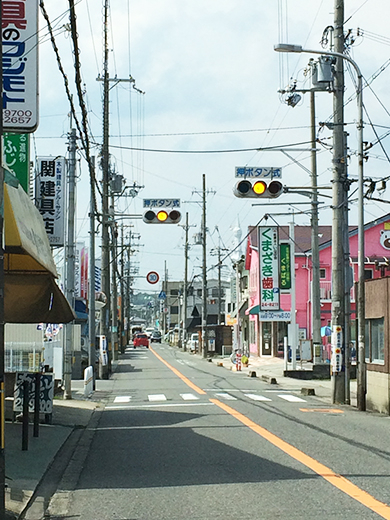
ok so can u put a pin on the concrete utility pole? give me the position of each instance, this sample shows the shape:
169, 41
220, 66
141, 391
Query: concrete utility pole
70, 264
105, 253
185, 292
204, 275
92, 283
338, 281
315, 254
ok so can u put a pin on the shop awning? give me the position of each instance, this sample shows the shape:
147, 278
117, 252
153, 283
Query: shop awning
31, 293
254, 310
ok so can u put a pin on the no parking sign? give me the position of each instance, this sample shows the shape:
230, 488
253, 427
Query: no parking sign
152, 277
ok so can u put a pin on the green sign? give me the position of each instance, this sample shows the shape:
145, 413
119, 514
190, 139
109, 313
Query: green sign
17, 157
285, 267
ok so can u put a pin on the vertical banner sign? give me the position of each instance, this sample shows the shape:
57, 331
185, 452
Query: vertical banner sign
16, 149
285, 267
50, 197
20, 65
337, 346
269, 268
77, 269
84, 273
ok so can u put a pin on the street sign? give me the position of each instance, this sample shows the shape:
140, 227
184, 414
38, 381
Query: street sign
337, 345
258, 172
152, 277
161, 203
285, 266
269, 268
275, 316
20, 66
162, 295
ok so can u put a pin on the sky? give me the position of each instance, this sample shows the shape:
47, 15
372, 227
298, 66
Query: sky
207, 80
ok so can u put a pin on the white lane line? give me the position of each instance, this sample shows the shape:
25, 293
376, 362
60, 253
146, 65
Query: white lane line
161, 405
256, 397
122, 399
292, 398
157, 397
228, 397
189, 397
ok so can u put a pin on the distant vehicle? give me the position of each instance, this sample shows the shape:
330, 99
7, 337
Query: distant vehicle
141, 340
194, 342
155, 336
149, 331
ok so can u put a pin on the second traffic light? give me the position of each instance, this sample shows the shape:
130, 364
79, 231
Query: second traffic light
258, 189
162, 216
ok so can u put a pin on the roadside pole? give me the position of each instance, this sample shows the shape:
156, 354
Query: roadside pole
293, 323
92, 282
70, 263
204, 276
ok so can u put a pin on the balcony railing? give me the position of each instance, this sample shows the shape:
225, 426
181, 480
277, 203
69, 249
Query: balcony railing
326, 291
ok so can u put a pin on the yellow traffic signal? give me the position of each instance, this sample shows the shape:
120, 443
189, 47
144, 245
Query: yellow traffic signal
258, 189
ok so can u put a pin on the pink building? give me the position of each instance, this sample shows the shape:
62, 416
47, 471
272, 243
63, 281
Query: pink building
264, 338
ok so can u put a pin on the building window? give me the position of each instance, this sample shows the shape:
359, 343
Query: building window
174, 309
322, 273
199, 292
174, 292
375, 340
368, 274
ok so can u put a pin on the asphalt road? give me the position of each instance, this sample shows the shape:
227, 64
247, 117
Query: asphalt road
180, 438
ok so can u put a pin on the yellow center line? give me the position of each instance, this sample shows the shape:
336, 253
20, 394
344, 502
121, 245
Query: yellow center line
180, 375
333, 478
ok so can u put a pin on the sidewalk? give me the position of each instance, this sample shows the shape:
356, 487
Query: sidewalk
25, 469
268, 368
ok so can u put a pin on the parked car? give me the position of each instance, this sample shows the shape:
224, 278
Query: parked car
141, 340
149, 331
155, 336
194, 342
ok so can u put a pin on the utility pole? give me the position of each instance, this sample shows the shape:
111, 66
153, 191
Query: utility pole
70, 264
185, 295
114, 306
122, 278
315, 258
105, 254
338, 336
91, 295
204, 275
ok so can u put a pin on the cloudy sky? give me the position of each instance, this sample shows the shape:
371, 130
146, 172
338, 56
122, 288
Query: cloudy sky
210, 79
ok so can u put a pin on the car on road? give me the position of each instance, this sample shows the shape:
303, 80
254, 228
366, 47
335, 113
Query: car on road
155, 336
141, 340
194, 342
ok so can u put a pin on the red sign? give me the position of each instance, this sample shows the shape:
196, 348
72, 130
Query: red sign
152, 277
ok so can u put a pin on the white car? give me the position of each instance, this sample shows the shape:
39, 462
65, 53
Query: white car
194, 342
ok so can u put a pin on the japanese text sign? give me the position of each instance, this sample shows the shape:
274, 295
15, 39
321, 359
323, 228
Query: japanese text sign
50, 197
20, 65
161, 203
269, 268
285, 267
258, 172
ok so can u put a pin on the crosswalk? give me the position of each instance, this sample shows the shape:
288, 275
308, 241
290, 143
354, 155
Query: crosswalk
224, 396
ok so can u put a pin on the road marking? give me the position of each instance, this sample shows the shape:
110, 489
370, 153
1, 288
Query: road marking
160, 405
291, 398
189, 397
183, 378
338, 481
256, 397
122, 399
228, 397
322, 410
157, 397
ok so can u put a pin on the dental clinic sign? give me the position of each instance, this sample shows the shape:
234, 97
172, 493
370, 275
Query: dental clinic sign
20, 65
269, 268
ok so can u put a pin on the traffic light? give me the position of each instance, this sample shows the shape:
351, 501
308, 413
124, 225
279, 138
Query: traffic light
258, 189
162, 216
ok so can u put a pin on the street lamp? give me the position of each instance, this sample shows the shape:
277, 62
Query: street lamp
286, 47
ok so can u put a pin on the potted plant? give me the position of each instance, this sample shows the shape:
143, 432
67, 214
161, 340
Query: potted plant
244, 361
